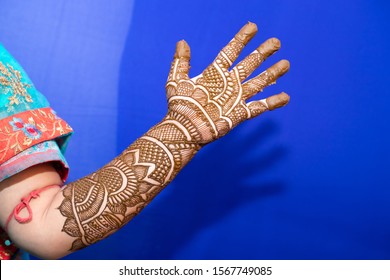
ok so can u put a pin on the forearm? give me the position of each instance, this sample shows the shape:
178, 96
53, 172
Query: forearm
101, 203
200, 110
90, 209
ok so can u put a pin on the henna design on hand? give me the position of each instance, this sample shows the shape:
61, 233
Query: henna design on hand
200, 110
215, 100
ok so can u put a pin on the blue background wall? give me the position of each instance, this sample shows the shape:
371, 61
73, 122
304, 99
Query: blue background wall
309, 181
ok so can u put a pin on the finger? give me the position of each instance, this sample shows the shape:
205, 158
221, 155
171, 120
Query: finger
268, 77
231, 51
254, 60
181, 62
271, 103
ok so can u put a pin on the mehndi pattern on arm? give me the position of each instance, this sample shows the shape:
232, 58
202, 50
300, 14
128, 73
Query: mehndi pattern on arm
200, 110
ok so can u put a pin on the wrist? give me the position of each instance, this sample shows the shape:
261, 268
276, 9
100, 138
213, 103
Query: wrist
179, 138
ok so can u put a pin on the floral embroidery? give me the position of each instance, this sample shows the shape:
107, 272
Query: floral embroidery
17, 124
29, 129
23, 130
11, 83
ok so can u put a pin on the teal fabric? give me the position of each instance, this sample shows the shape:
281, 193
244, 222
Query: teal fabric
18, 94
47, 151
6, 92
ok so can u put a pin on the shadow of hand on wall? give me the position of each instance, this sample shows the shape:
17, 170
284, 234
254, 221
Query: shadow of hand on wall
223, 177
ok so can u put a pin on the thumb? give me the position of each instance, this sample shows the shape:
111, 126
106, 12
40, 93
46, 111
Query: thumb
181, 62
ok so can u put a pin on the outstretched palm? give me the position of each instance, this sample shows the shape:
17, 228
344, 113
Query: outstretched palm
211, 104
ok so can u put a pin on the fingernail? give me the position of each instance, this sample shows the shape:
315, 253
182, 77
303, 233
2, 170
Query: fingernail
277, 101
182, 50
247, 32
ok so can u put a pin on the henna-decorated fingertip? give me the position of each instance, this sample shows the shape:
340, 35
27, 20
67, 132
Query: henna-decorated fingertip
182, 50
246, 33
275, 42
277, 101
269, 47
284, 65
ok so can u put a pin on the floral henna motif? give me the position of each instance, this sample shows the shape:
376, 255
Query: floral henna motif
200, 110
98, 205
101, 203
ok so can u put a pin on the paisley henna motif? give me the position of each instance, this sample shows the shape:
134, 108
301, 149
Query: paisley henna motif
200, 110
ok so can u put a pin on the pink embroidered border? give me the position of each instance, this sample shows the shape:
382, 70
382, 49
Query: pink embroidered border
24, 130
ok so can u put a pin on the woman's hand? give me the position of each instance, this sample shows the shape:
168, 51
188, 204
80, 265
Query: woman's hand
200, 110
213, 103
